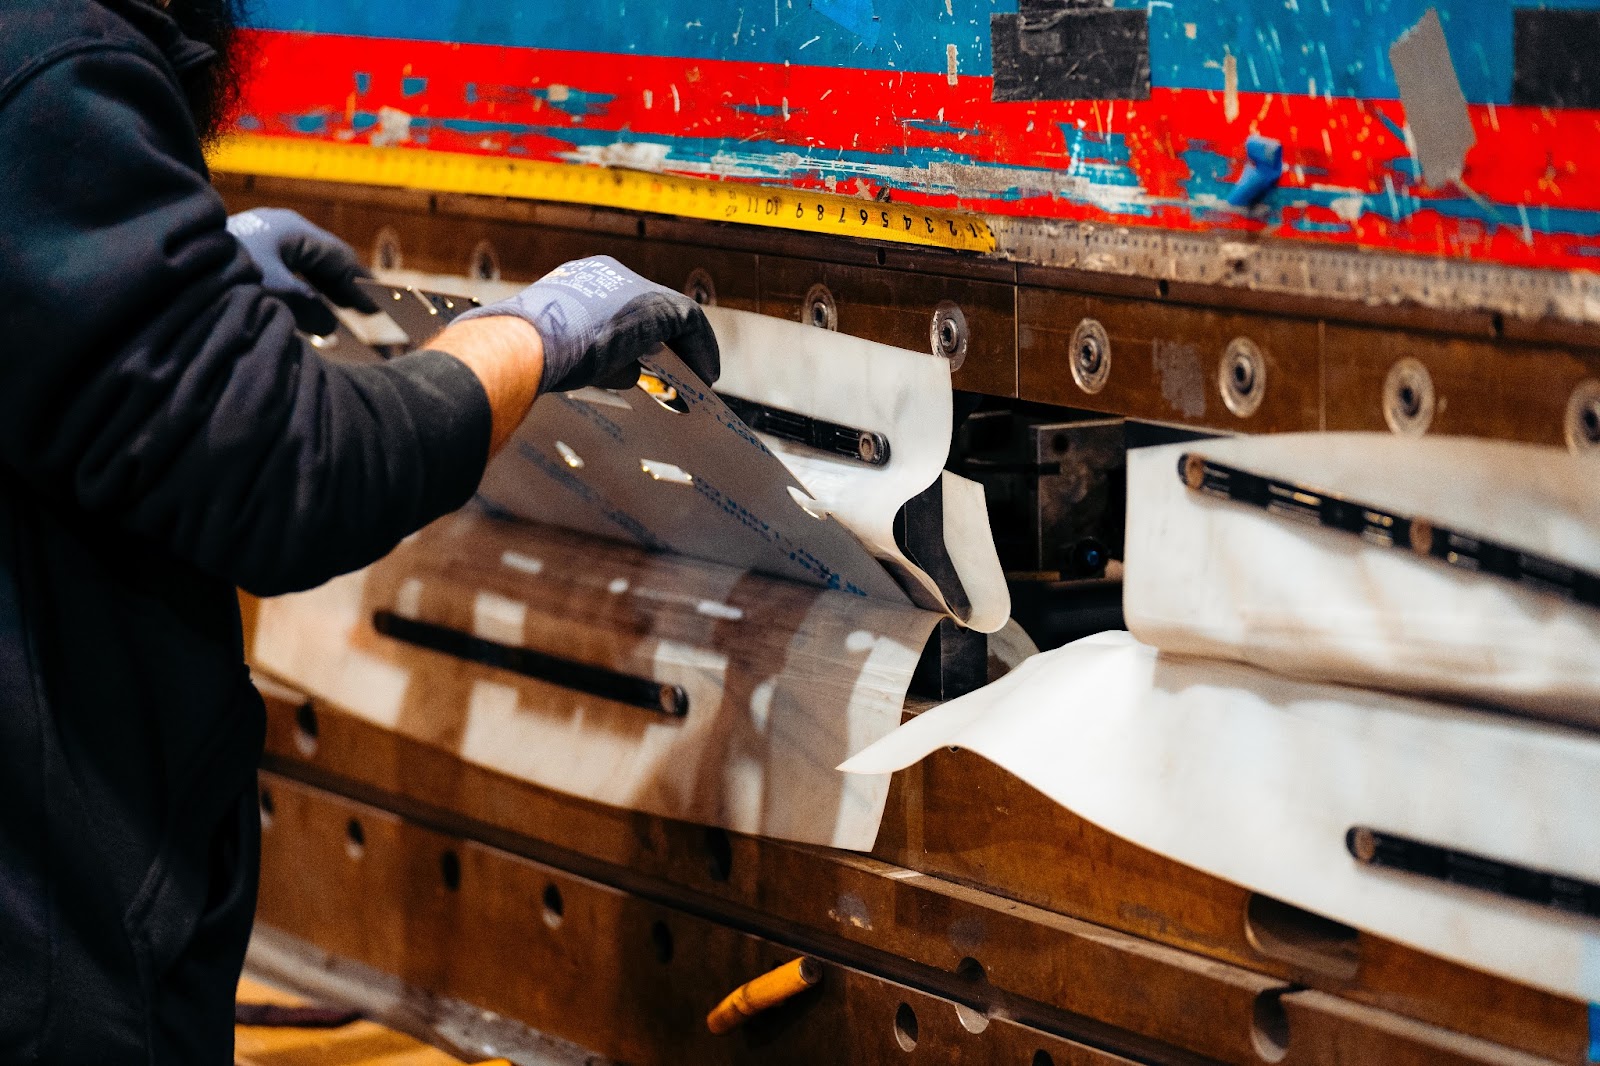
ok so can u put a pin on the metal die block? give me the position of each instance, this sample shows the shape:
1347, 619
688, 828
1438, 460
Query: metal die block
1167, 362
609, 970
899, 308
1477, 388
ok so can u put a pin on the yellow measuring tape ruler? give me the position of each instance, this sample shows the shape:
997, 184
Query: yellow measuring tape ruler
632, 190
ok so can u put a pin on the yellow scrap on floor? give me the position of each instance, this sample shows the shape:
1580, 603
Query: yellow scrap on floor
361, 1043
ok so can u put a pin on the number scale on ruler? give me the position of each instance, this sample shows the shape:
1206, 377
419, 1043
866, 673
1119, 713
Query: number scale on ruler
794, 209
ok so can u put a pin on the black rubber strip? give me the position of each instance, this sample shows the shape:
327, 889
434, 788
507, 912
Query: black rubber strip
1569, 894
1385, 528
862, 445
670, 700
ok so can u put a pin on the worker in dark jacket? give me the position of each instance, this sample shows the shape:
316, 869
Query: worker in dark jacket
165, 436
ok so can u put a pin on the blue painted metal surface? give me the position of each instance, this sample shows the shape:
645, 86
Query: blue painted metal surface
1309, 47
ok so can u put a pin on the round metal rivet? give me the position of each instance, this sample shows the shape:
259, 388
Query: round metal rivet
1243, 377
819, 309
1408, 398
1091, 356
1363, 844
1583, 416
1421, 536
947, 334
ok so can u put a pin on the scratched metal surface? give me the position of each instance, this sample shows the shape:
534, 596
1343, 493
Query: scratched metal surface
896, 97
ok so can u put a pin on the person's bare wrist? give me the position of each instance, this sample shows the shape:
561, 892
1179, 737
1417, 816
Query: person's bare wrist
507, 355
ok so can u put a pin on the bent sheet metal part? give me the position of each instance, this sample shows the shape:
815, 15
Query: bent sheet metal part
697, 482
744, 509
1257, 779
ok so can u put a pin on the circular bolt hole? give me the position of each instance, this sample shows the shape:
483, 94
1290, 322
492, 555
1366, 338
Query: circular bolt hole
661, 940
305, 729
819, 309
700, 288
970, 969
267, 807
450, 870
355, 839
719, 854
1042, 1058
554, 906
386, 251
484, 263
972, 1021
905, 1027
1087, 558
1269, 1026
1409, 403
1091, 356
1583, 416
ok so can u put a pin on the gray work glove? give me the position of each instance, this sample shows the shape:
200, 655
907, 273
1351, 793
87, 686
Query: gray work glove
597, 318
283, 245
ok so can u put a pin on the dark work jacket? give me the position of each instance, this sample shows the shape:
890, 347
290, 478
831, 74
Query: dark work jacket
164, 437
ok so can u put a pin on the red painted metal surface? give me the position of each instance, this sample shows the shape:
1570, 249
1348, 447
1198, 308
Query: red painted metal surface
1531, 196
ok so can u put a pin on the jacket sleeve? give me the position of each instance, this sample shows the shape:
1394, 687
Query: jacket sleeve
148, 381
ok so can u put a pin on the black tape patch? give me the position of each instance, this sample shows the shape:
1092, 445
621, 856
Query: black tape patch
1555, 58
1053, 52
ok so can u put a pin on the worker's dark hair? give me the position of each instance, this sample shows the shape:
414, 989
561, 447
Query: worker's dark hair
214, 91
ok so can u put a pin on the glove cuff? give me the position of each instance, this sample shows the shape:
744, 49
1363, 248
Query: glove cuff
565, 327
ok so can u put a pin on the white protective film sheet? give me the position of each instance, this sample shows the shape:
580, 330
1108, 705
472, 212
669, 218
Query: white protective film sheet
905, 396
1211, 577
783, 680
670, 512
1256, 779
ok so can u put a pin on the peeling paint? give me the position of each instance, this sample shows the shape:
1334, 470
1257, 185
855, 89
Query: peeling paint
1183, 382
1230, 87
802, 99
394, 127
851, 910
